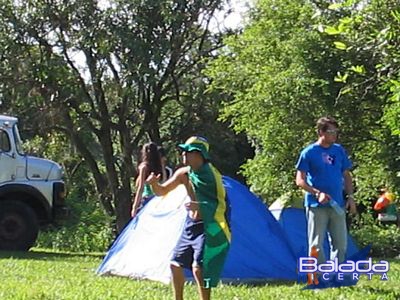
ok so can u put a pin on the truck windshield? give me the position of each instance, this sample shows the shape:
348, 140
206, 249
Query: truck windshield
18, 141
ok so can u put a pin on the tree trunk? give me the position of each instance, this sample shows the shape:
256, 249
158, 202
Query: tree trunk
123, 206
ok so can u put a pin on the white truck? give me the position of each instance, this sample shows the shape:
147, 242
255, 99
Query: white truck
32, 191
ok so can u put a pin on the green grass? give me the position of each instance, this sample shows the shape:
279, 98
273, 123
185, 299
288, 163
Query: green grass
41, 274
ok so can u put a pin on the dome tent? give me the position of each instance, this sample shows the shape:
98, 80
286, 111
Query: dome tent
292, 218
259, 248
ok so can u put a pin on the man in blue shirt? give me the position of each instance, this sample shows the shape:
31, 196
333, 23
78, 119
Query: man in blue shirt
323, 172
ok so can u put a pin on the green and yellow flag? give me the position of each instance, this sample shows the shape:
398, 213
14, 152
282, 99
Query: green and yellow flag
210, 193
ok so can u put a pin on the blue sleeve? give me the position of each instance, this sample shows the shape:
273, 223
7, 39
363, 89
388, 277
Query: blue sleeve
346, 164
302, 163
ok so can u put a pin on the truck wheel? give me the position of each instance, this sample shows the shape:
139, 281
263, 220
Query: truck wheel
18, 226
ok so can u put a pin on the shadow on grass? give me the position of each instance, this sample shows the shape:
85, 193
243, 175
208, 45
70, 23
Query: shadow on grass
46, 255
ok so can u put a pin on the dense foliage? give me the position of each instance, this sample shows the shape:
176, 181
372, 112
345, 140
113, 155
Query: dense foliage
109, 76
383, 238
91, 81
291, 65
367, 38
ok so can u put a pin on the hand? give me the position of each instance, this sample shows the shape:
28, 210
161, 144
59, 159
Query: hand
192, 205
134, 211
152, 178
351, 205
323, 198
193, 208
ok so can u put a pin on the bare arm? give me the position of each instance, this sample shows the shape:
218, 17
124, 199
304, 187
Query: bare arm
193, 206
348, 187
301, 182
178, 178
139, 189
348, 182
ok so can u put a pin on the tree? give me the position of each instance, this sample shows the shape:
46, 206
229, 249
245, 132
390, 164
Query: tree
367, 36
275, 95
285, 71
102, 75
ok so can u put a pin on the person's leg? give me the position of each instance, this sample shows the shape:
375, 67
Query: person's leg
338, 233
182, 258
198, 249
317, 222
204, 293
178, 281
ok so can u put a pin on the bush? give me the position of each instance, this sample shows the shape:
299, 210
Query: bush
88, 229
84, 238
385, 239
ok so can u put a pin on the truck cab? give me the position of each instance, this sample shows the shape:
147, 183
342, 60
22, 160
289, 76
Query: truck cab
32, 191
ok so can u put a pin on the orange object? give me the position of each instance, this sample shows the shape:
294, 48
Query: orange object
384, 200
312, 277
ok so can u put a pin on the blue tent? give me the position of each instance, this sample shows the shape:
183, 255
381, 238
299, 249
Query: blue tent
259, 249
294, 224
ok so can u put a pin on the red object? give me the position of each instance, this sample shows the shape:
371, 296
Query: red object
381, 203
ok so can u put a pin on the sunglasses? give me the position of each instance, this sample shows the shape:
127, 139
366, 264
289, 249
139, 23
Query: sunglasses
332, 131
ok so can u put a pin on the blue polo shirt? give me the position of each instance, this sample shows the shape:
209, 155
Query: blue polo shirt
324, 168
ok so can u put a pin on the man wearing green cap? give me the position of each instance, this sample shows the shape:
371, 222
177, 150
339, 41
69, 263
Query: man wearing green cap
205, 240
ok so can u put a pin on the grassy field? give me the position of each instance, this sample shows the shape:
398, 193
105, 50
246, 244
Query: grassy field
41, 274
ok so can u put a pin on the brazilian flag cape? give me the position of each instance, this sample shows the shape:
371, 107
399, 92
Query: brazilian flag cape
211, 195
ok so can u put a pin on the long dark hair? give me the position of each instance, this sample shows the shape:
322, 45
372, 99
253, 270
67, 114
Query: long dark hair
151, 157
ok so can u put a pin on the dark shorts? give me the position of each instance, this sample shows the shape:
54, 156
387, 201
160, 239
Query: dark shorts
188, 251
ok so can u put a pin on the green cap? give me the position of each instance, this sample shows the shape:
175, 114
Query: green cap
196, 143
